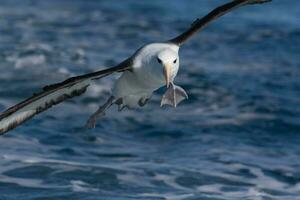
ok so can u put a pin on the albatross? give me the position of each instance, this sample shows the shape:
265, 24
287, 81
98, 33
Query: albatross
151, 67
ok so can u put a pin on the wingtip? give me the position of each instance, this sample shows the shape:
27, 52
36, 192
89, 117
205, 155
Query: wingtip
258, 1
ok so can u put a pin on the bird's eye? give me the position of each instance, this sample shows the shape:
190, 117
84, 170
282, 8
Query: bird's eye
159, 60
175, 61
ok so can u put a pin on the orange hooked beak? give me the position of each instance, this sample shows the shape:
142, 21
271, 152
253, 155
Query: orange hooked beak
167, 74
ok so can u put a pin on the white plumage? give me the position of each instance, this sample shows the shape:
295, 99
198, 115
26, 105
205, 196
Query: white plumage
147, 74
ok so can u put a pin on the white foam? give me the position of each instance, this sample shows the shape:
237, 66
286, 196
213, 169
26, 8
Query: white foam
80, 186
29, 61
167, 196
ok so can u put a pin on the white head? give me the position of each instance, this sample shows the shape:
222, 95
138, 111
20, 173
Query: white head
169, 61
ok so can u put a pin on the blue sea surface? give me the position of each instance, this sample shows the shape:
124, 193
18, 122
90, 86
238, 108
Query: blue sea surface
236, 138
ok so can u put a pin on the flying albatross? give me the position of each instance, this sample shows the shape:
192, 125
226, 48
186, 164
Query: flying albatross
151, 67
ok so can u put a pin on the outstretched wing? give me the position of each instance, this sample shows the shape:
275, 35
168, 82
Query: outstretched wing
52, 95
216, 13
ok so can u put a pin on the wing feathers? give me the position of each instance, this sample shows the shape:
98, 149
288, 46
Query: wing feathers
19, 114
52, 95
216, 13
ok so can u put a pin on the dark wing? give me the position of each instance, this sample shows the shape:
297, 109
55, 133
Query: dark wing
52, 95
216, 13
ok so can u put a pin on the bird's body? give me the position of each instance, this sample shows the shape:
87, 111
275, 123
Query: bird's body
136, 86
149, 68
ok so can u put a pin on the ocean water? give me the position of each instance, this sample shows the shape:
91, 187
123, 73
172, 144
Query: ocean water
236, 138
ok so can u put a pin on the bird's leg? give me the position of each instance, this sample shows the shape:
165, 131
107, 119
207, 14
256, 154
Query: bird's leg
173, 96
91, 123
